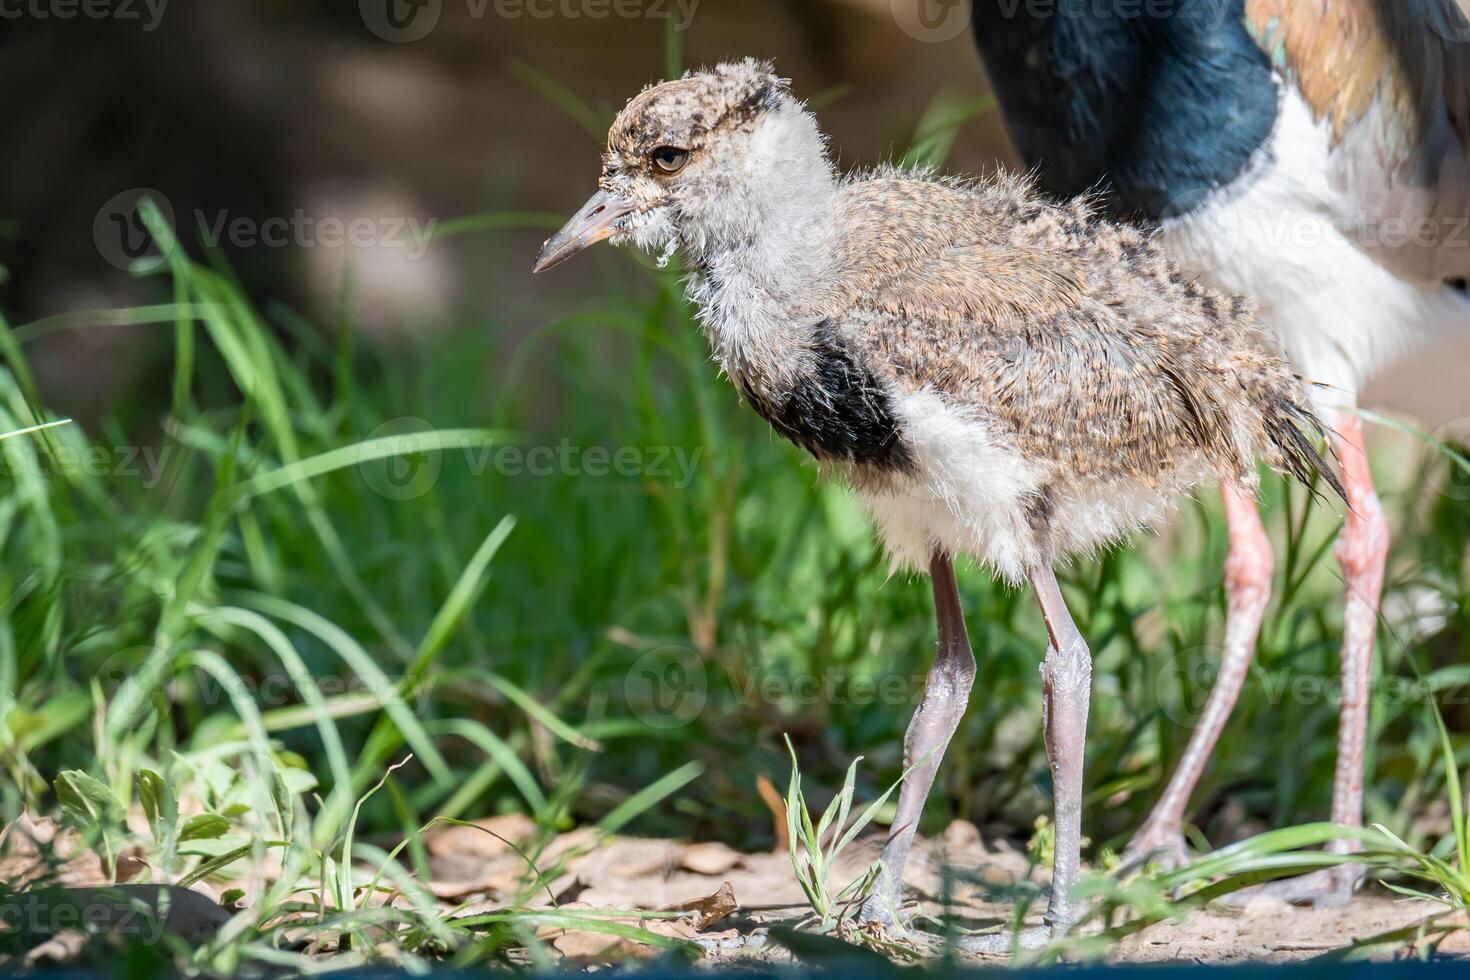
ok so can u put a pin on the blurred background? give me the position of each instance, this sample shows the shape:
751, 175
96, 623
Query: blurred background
250, 111
245, 116
357, 191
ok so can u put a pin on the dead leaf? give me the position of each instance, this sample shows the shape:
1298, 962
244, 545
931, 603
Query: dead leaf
488, 837
455, 891
639, 857
583, 944
23, 843
711, 858
672, 928
710, 909
1267, 905
1457, 943
61, 948
777, 806
469, 860
132, 862
997, 877
578, 944
962, 835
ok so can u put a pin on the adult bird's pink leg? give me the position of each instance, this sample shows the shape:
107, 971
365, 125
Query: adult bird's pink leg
946, 694
1248, 569
1362, 551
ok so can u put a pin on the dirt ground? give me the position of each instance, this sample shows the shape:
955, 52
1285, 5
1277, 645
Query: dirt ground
739, 895
728, 901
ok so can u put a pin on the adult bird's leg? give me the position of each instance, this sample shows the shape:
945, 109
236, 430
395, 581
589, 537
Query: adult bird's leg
946, 694
1248, 569
1066, 688
1362, 551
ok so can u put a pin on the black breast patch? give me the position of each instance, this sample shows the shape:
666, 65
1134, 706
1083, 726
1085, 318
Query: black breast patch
837, 412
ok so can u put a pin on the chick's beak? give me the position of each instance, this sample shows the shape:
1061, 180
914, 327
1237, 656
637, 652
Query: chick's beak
588, 227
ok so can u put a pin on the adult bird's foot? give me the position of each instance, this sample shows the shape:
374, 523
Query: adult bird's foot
1328, 888
1161, 846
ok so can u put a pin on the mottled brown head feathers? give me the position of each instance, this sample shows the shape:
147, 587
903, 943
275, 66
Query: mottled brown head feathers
685, 111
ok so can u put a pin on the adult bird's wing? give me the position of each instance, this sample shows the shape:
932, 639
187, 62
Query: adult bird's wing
1391, 79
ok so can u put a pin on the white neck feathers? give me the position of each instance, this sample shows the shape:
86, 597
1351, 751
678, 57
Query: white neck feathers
762, 245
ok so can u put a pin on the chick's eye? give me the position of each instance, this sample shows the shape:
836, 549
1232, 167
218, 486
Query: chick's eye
669, 159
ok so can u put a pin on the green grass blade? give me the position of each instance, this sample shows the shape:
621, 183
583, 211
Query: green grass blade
383, 447
539, 712
351, 653
461, 597
494, 746
13, 433
649, 796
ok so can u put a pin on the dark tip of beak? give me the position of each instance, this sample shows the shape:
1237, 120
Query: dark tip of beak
555, 250
544, 258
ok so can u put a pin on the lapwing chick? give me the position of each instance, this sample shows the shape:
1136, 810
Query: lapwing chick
997, 376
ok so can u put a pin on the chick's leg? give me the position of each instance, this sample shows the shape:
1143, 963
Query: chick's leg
946, 694
1066, 683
